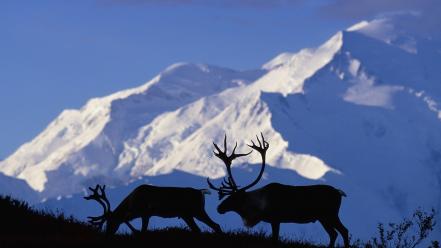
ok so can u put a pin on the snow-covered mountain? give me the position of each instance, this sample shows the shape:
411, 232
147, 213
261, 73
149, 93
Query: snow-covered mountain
359, 112
98, 142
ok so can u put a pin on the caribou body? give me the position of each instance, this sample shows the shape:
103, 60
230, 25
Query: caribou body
277, 203
146, 201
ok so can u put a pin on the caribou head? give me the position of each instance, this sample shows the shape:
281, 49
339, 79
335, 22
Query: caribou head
237, 198
108, 217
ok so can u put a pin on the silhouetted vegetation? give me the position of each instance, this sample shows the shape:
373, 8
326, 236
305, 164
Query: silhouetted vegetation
21, 225
409, 233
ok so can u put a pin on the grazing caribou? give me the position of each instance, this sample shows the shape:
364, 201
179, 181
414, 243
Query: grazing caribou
277, 203
146, 201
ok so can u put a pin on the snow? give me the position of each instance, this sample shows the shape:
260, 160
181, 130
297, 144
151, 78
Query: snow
291, 70
364, 92
358, 26
360, 112
278, 61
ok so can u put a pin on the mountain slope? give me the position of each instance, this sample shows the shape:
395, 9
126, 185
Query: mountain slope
371, 113
83, 145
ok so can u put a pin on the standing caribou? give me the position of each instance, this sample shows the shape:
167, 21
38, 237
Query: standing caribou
146, 201
277, 203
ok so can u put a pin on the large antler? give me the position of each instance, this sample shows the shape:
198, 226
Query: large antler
263, 146
228, 186
99, 195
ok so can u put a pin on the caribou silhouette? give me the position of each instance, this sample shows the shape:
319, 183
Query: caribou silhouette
277, 203
146, 201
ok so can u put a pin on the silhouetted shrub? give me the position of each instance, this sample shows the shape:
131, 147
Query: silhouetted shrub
435, 244
21, 225
408, 233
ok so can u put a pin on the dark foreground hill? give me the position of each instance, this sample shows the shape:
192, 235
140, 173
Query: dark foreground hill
21, 225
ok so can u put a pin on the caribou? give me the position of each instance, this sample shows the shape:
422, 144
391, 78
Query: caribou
276, 203
146, 201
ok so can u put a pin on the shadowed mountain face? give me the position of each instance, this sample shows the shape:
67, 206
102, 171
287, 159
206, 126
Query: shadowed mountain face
359, 112
18, 188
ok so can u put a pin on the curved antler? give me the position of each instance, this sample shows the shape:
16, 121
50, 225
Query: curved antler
228, 186
99, 195
262, 148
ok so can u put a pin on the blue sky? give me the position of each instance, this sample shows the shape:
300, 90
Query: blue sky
57, 54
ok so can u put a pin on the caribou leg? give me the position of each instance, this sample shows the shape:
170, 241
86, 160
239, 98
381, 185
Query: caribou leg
275, 231
207, 220
145, 223
343, 231
331, 232
132, 228
190, 222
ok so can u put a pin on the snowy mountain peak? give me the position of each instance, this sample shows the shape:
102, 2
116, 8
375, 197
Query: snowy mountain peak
288, 71
86, 143
405, 30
